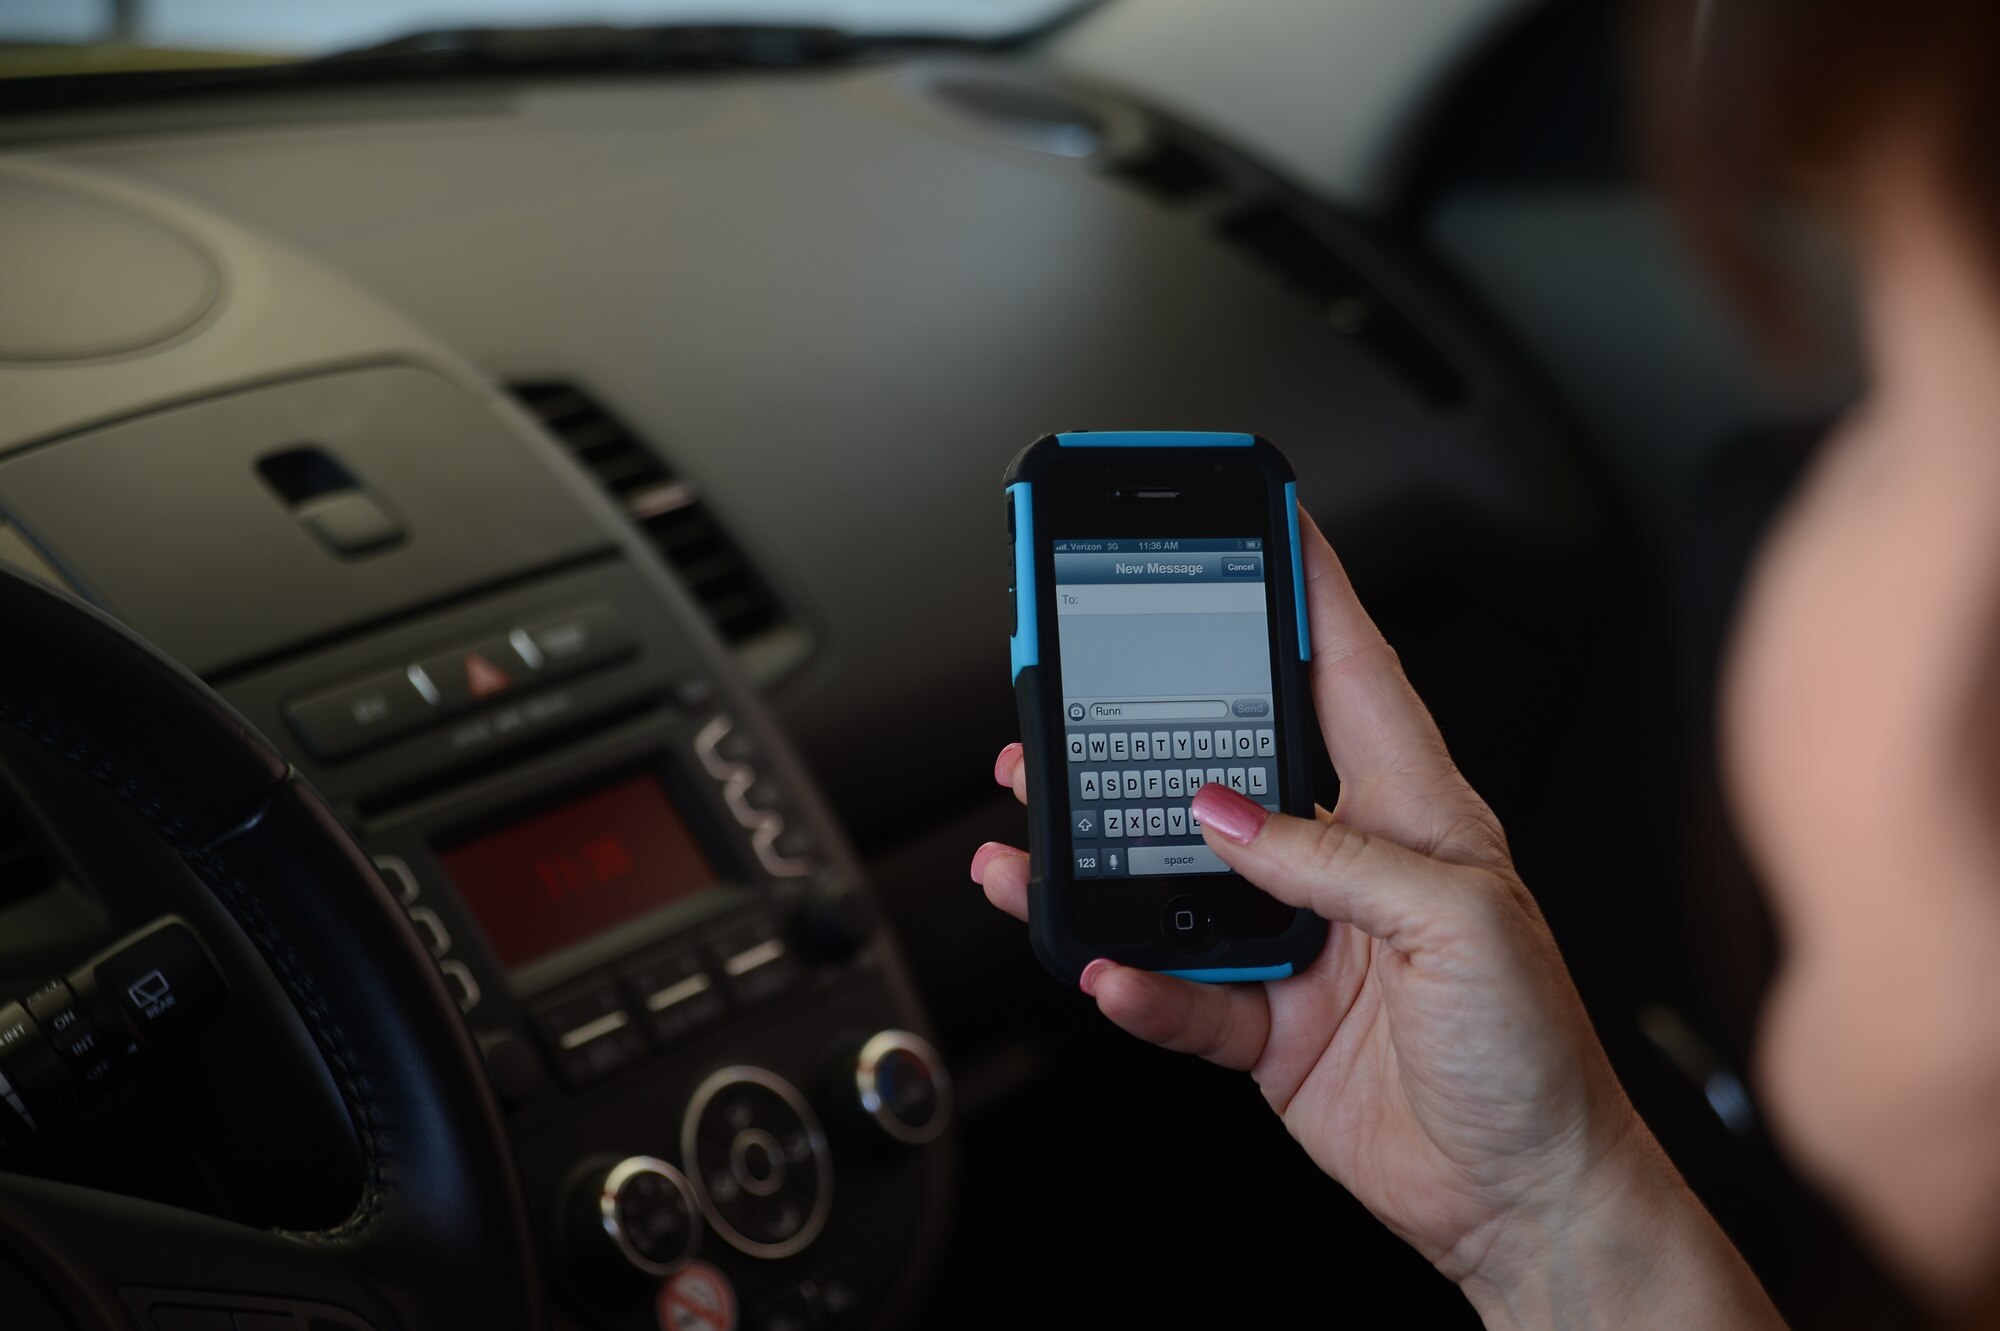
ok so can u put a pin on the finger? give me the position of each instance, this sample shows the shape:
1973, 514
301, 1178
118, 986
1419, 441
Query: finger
1003, 872
1338, 872
1011, 769
1374, 722
1225, 1024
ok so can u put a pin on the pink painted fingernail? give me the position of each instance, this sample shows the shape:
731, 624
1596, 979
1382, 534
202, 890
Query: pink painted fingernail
1092, 973
1004, 765
1229, 813
983, 857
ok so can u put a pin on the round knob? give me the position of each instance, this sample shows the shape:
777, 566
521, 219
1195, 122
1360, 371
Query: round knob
761, 1168
834, 921
639, 1214
899, 1085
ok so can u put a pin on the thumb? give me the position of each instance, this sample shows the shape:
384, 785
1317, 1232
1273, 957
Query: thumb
1336, 871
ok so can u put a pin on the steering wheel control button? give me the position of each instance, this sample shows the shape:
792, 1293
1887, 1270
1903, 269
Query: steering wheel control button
346, 720
638, 1216
70, 1031
756, 961
1185, 924
591, 1034
697, 1298
579, 640
676, 992
163, 982
40, 1086
759, 1162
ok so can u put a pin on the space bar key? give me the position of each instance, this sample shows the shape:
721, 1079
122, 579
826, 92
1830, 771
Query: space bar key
1174, 859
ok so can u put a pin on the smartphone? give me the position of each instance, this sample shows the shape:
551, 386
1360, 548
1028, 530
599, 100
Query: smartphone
1159, 643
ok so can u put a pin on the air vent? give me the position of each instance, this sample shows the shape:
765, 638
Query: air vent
26, 867
1168, 170
746, 613
1286, 244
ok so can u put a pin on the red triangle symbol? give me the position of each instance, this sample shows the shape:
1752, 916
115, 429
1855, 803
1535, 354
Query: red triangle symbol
484, 678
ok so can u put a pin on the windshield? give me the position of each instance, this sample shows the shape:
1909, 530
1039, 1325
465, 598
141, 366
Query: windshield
57, 36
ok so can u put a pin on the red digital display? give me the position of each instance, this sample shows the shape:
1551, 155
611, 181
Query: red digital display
568, 873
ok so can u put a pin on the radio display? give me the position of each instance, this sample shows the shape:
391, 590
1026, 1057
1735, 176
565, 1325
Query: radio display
568, 873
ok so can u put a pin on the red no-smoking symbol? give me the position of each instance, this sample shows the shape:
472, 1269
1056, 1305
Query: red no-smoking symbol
697, 1298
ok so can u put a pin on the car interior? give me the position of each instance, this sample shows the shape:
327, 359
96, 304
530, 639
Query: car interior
505, 585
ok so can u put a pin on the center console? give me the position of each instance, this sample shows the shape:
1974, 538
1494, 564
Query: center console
688, 1006
716, 1074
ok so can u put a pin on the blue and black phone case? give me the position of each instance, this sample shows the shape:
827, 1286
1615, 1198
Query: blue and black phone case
1038, 695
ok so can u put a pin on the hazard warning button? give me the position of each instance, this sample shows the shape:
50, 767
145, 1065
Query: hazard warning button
471, 676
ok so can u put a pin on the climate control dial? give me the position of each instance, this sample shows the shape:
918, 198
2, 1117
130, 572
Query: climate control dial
759, 1162
895, 1088
639, 1214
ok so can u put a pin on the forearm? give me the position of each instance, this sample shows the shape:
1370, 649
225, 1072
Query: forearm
1635, 1250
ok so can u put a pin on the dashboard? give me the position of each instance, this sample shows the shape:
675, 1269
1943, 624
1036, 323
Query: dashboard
592, 486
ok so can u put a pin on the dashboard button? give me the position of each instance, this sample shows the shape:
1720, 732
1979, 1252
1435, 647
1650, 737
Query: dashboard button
396, 873
431, 929
592, 1034
342, 721
893, 1090
471, 676
579, 640
351, 523
511, 1066
679, 997
841, 1297
636, 1218
757, 963
458, 979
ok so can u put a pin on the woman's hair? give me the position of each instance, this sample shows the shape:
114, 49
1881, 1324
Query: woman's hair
1760, 102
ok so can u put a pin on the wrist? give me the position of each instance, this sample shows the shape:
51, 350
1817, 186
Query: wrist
1621, 1242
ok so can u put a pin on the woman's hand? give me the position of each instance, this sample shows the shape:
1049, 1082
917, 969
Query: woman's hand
1436, 1058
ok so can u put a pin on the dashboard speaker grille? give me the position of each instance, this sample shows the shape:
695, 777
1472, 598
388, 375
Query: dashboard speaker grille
741, 604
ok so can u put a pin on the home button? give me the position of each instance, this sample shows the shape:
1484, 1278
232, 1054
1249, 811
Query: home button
1185, 924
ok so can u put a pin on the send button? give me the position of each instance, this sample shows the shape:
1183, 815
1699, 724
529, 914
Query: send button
1242, 567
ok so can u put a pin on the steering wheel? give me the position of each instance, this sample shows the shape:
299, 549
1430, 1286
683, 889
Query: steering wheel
439, 1236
